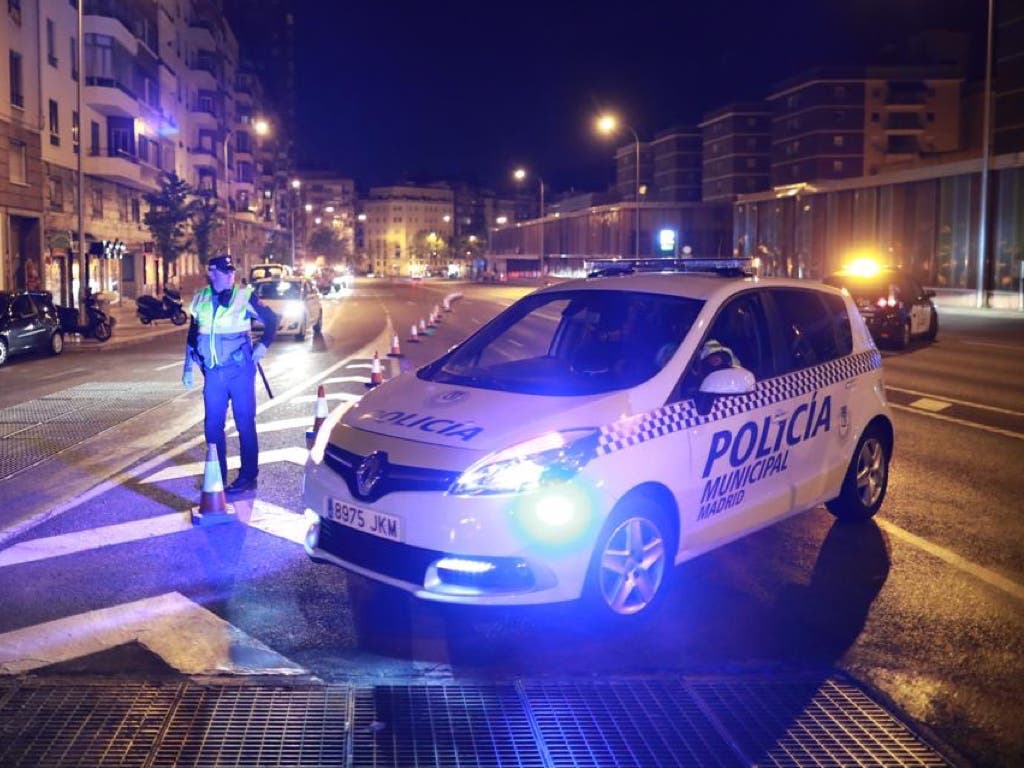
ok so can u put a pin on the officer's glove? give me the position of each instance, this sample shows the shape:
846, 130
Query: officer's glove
187, 379
258, 352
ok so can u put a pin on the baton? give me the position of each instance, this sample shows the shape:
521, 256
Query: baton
266, 383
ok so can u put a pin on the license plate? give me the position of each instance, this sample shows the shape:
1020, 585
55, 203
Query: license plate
368, 521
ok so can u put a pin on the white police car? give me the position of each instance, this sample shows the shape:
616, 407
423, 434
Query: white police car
599, 431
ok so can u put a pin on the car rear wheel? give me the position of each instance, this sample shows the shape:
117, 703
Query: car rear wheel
632, 562
866, 480
902, 341
933, 326
56, 343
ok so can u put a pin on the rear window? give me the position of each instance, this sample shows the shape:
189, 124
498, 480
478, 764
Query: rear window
570, 343
4, 305
278, 289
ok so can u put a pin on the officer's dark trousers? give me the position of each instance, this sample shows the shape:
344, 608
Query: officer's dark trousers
236, 383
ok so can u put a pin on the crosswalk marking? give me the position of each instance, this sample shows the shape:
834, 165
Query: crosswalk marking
186, 636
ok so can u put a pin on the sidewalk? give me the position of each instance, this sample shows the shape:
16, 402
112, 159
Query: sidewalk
128, 329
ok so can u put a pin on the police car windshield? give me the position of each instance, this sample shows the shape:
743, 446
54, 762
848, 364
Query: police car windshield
571, 343
278, 289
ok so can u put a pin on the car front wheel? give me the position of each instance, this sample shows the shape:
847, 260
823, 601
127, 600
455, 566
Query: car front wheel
933, 327
632, 562
866, 480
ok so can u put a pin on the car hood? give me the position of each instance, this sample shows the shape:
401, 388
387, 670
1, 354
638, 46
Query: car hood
475, 419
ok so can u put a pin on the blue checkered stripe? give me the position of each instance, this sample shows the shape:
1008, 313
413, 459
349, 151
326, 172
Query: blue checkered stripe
674, 417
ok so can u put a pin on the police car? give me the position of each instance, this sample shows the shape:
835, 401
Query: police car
598, 432
895, 306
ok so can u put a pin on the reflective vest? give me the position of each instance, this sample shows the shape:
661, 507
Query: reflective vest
223, 334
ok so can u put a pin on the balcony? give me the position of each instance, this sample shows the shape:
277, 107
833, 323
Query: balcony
202, 33
204, 115
902, 146
906, 94
110, 97
904, 122
117, 166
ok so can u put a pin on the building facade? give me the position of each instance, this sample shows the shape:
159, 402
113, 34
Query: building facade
408, 230
328, 204
737, 151
676, 166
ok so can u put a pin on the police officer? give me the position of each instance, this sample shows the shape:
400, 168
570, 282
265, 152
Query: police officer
221, 343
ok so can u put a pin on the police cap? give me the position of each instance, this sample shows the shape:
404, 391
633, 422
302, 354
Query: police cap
222, 262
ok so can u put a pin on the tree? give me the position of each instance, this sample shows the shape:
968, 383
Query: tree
204, 212
167, 216
323, 241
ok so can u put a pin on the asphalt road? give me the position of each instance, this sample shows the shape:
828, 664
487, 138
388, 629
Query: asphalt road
924, 605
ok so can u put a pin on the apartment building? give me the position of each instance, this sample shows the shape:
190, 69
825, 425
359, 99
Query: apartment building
328, 201
676, 166
21, 173
408, 229
737, 151
158, 95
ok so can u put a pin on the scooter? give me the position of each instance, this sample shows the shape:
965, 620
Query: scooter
99, 325
170, 308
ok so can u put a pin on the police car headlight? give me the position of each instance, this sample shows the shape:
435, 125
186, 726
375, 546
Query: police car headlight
543, 461
293, 310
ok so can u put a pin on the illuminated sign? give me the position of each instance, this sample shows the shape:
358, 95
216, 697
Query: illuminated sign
667, 241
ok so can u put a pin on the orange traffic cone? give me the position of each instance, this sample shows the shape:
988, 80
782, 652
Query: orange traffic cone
320, 413
396, 349
446, 304
376, 375
213, 506
414, 334
423, 325
431, 320
437, 314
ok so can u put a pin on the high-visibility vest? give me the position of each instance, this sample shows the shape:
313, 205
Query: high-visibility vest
224, 333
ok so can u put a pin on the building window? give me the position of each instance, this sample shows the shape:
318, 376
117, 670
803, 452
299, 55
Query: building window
751, 162
19, 162
51, 46
94, 137
874, 117
54, 124
122, 205
74, 58
17, 93
837, 166
931, 117
837, 141
14, 11
56, 188
97, 202
76, 128
840, 92
838, 116
136, 212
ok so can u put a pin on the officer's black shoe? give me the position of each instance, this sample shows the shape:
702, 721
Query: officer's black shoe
241, 485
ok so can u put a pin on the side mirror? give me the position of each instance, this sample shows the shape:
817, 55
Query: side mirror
728, 381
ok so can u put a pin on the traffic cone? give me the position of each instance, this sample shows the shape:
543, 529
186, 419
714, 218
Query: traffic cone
423, 325
376, 375
414, 334
396, 349
437, 314
320, 413
431, 320
213, 506
446, 304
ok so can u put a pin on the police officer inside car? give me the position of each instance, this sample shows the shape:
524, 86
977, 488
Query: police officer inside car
220, 341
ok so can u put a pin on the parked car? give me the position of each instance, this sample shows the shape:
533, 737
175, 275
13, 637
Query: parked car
296, 303
599, 432
29, 322
895, 306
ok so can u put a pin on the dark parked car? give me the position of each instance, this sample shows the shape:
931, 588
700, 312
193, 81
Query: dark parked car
894, 305
28, 322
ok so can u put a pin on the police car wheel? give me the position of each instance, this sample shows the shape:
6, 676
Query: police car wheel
866, 480
632, 562
933, 327
903, 339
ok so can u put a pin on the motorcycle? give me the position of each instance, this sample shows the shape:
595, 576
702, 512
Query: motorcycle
98, 325
151, 308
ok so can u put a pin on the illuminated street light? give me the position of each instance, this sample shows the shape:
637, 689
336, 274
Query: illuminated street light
329, 209
261, 126
519, 174
501, 220
309, 207
608, 125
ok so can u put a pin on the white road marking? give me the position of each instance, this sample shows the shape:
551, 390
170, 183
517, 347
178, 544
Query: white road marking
346, 380
294, 454
961, 422
345, 397
278, 426
968, 403
94, 538
928, 404
175, 364
1015, 347
186, 636
278, 521
61, 375
951, 558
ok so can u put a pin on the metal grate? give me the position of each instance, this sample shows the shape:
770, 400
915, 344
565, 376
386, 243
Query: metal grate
256, 726
631, 723
448, 726
781, 722
115, 724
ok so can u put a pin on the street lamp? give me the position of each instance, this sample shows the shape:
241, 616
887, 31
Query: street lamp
296, 185
609, 125
519, 174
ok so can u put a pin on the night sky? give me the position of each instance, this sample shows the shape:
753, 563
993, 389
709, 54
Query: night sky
420, 91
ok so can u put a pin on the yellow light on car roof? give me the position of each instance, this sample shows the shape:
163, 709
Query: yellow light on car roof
863, 267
